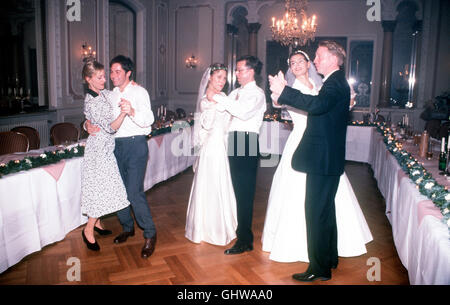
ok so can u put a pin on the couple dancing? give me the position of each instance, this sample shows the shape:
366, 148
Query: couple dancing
289, 232
226, 130
116, 153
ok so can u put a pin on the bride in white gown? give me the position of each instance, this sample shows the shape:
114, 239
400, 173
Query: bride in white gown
211, 214
284, 234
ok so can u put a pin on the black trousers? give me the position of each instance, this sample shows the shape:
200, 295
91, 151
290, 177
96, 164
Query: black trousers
243, 156
321, 229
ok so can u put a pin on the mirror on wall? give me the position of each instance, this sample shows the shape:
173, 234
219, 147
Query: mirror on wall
404, 55
360, 71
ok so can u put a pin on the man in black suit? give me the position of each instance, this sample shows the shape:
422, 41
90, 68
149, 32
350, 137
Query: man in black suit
320, 154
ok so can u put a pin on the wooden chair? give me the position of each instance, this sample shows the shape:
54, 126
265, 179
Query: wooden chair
32, 135
64, 132
11, 142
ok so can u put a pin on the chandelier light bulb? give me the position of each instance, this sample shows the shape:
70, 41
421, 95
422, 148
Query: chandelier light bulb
291, 30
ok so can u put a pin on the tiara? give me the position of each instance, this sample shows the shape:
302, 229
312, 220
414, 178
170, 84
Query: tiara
214, 68
300, 52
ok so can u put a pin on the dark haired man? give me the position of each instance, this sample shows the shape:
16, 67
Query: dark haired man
247, 105
131, 151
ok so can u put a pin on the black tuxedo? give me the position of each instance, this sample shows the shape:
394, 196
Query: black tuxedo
321, 155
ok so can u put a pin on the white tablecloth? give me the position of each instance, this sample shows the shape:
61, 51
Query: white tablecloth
423, 245
36, 209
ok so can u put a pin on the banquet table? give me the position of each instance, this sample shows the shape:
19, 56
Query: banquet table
420, 237
40, 206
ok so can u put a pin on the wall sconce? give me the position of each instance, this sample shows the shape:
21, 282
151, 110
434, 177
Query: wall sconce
191, 62
88, 53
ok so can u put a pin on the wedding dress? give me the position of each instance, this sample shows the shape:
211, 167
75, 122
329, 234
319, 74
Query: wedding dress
211, 213
284, 234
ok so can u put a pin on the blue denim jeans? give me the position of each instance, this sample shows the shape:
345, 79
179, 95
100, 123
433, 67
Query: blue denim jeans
132, 155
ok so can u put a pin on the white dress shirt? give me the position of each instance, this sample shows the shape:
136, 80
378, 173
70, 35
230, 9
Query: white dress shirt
141, 122
246, 105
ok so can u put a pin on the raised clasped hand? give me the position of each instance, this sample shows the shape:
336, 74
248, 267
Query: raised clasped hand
125, 107
277, 83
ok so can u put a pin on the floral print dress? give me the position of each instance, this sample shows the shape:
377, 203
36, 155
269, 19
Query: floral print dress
102, 188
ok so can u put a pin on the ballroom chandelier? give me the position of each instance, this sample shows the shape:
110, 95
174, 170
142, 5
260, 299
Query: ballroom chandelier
295, 29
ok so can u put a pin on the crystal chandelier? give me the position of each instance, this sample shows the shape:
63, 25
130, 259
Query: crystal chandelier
295, 29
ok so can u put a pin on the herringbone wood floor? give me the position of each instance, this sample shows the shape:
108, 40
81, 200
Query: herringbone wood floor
178, 261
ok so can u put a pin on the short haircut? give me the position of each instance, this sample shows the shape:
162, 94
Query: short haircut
126, 63
335, 49
252, 62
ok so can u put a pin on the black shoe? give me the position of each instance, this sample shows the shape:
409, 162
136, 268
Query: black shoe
102, 231
90, 246
122, 237
149, 247
238, 249
310, 277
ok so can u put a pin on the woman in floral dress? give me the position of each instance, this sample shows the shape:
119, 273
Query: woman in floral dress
102, 188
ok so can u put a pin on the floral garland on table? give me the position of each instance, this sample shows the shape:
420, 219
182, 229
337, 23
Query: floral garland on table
52, 157
156, 131
362, 123
46, 158
424, 181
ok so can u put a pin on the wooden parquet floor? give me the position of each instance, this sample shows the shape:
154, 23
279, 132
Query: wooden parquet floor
178, 261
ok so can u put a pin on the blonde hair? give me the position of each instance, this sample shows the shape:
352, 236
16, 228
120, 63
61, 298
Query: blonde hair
335, 49
90, 67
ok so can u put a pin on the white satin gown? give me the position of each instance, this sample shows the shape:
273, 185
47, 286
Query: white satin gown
284, 234
211, 214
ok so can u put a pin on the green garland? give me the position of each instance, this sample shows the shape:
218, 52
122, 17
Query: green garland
52, 157
47, 158
424, 181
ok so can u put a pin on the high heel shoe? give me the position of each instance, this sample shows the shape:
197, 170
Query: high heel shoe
90, 246
102, 231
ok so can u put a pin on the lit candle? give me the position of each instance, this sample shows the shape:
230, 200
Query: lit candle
158, 112
273, 22
165, 109
443, 144
448, 143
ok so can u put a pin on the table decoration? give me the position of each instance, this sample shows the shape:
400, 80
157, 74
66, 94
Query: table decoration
46, 158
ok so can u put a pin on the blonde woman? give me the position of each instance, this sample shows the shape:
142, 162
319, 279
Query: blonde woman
102, 188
